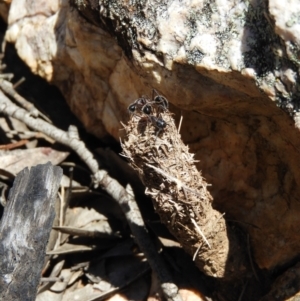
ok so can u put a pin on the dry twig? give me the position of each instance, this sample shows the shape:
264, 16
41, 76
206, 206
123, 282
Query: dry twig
10, 109
8, 88
24, 230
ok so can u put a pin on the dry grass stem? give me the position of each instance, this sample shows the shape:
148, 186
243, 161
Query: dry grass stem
200, 232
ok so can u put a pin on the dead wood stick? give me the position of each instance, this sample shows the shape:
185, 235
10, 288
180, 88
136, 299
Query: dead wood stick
8, 88
24, 231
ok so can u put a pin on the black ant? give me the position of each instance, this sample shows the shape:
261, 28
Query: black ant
137, 105
160, 101
158, 122
146, 106
140, 107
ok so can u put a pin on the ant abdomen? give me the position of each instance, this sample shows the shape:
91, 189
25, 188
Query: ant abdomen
158, 122
147, 109
132, 108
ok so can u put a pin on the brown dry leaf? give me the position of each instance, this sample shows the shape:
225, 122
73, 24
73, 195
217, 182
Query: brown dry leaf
49, 296
88, 219
103, 286
190, 295
97, 206
79, 217
14, 161
14, 128
54, 273
75, 276
84, 293
57, 289
101, 228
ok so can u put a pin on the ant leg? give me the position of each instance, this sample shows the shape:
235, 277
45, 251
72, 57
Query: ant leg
153, 90
157, 133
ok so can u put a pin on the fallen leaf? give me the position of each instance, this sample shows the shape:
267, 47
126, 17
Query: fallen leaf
16, 160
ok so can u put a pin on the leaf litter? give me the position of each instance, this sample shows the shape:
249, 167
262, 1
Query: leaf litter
92, 253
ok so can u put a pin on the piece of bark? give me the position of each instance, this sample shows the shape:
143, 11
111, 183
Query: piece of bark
24, 231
